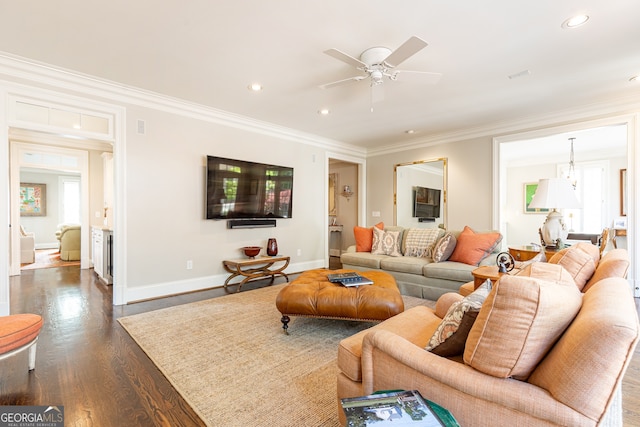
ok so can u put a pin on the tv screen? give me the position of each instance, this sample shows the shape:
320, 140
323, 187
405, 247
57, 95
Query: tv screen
426, 202
239, 189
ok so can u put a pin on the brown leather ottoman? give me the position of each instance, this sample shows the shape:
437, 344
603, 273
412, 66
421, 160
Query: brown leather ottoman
311, 294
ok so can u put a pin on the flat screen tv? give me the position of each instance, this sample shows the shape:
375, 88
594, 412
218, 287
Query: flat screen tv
426, 202
237, 189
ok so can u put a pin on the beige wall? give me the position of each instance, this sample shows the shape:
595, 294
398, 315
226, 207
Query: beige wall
469, 182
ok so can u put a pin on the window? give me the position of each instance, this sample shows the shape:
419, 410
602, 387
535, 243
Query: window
591, 178
69, 200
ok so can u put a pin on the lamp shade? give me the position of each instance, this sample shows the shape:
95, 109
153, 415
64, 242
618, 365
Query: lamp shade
555, 193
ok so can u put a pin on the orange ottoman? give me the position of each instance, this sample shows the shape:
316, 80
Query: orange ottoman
312, 295
19, 332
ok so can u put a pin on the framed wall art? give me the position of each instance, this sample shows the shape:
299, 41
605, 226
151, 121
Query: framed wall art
529, 190
33, 199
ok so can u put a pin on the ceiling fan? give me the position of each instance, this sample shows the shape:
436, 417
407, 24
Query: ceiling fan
376, 63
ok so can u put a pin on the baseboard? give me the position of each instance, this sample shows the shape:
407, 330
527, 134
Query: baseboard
54, 245
160, 290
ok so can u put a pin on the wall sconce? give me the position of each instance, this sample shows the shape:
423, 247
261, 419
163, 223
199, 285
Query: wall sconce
346, 192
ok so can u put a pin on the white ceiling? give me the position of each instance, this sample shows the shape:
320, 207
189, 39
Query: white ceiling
209, 51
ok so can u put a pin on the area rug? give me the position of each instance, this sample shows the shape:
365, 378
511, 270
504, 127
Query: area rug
47, 258
231, 361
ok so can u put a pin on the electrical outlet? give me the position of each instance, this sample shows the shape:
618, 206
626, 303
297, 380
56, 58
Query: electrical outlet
189, 265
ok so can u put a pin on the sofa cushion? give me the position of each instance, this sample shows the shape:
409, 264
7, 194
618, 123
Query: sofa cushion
386, 242
451, 334
411, 265
444, 247
361, 259
472, 247
580, 260
549, 272
416, 324
599, 341
419, 242
449, 270
364, 237
517, 325
614, 263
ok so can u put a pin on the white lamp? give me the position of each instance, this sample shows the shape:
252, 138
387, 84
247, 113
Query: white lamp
554, 194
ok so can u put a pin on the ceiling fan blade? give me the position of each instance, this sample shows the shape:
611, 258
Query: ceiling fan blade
420, 76
343, 81
408, 49
341, 56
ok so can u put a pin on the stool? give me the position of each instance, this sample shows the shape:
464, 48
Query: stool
19, 333
312, 295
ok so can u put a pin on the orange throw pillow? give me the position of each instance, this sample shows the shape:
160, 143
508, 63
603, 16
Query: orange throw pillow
364, 237
473, 247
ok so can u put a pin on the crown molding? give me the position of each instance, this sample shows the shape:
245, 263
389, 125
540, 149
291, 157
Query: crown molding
40, 73
616, 106
63, 79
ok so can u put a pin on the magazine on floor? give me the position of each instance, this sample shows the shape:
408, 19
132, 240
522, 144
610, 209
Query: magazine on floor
349, 279
401, 408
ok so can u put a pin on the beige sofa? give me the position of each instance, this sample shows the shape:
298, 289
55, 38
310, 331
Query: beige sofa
417, 276
573, 380
69, 236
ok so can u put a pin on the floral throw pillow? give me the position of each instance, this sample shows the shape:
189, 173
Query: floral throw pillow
386, 242
451, 335
444, 248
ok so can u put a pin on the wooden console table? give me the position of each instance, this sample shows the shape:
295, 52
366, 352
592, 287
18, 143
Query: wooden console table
254, 268
526, 252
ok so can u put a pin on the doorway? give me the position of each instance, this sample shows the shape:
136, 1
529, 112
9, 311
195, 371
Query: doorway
49, 164
51, 237
611, 143
345, 204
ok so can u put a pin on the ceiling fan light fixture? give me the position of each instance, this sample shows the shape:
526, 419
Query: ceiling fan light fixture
575, 21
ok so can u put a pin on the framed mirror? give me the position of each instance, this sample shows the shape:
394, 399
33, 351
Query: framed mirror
333, 194
420, 193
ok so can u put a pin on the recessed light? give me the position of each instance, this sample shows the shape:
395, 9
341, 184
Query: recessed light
255, 87
324, 111
575, 21
409, 131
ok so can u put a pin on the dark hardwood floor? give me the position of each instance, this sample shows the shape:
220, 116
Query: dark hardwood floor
89, 364
86, 361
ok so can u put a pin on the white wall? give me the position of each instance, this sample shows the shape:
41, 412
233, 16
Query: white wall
165, 202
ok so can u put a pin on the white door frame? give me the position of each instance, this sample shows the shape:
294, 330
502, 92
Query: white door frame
116, 137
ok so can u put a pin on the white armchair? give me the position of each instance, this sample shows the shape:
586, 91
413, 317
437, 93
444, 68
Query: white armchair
27, 247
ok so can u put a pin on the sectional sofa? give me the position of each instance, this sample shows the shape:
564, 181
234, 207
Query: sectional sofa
547, 346
418, 267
